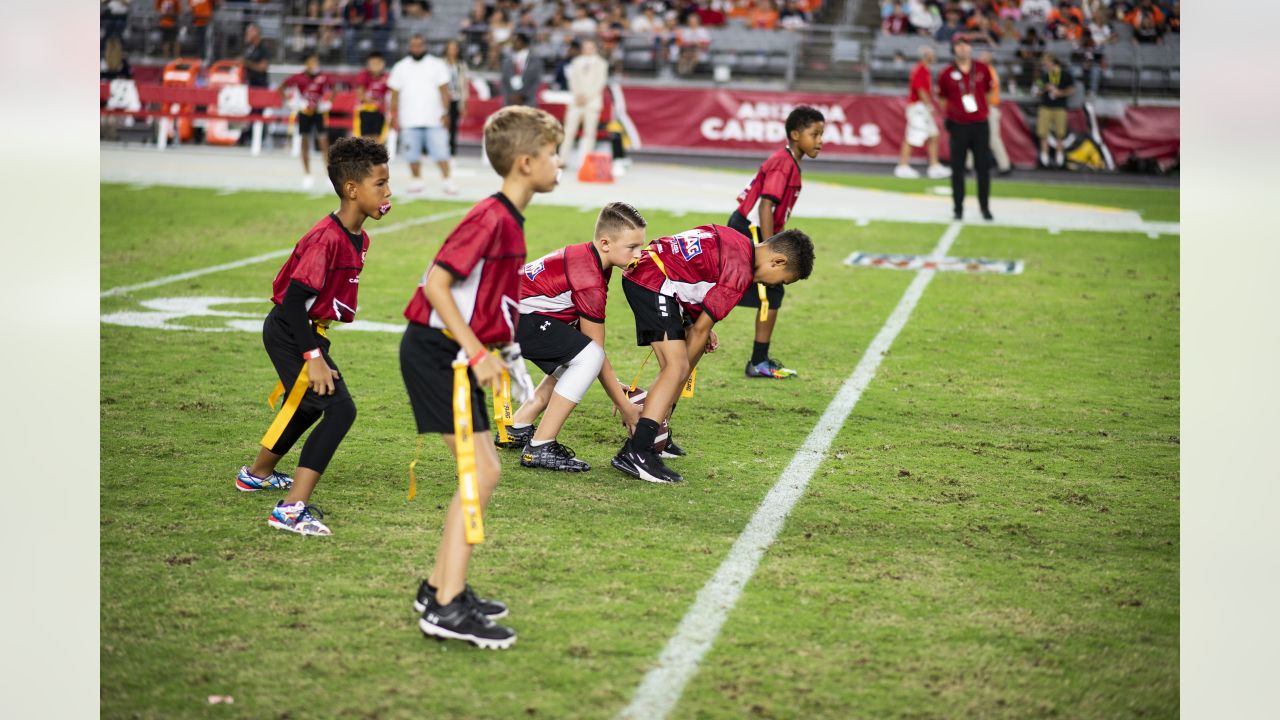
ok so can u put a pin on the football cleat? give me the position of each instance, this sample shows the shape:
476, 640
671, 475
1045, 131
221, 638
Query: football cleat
552, 456
771, 369
462, 620
298, 518
645, 465
248, 482
671, 450
519, 437
492, 609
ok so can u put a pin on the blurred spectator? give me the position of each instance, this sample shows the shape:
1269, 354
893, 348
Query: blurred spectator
115, 18
475, 32
1174, 21
950, 27
1036, 10
792, 17
647, 22
459, 87
500, 30
381, 20
611, 30
896, 22
255, 57
1030, 49
353, 16
201, 15
114, 64
922, 129
1091, 61
1100, 27
1066, 22
560, 79
1054, 87
924, 18
587, 74
583, 25
521, 73
168, 11
1145, 9
764, 15
415, 17
694, 42
1147, 32
981, 32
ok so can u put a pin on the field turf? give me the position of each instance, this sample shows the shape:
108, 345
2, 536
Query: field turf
994, 532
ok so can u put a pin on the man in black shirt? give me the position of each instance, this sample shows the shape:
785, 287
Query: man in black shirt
1054, 87
255, 57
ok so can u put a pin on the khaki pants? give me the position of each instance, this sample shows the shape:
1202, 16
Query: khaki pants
997, 143
588, 116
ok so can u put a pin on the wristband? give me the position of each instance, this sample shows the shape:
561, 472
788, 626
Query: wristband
478, 357
311, 354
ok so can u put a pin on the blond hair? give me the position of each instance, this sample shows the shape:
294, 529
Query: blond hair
518, 130
617, 216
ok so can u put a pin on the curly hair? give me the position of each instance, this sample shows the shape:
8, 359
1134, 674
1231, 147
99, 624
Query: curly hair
352, 159
801, 118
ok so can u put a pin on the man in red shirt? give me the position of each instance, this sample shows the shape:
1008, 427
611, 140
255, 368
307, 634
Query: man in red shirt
963, 89
316, 287
312, 94
920, 123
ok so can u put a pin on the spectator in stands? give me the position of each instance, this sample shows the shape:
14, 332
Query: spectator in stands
896, 22
1066, 22
501, 28
415, 17
583, 26
353, 17
610, 36
475, 32
588, 74
950, 27
1100, 27
924, 18
1055, 86
646, 23
998, 152
419, 95
764, 15
329, 38
380, 18
1147, 32
201, 14
114, 64
1174, 22
1030, 50
255, 57
521, 73
981, 32
459, 87
115, 18
1091, 61
792, 17
560, 79
1145, 9
694, 42
168, 11
1036, 10
921, 127
963, 89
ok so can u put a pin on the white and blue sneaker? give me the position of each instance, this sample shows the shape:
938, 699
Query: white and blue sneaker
298, 518
248, 482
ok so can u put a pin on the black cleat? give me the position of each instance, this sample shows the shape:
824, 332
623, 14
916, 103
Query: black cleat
672, 450
463, 620
552, 456
986, 215
519, 438
492, 609
645, 465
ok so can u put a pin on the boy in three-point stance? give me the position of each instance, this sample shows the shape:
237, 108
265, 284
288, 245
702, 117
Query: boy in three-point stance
776, 187
317, 286
562, 305
467, 302
700, 274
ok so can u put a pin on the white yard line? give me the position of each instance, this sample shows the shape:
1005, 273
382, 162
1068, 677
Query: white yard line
125, 289
662, 686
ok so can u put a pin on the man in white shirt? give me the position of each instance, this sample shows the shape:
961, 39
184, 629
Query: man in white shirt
419, 86
587, 75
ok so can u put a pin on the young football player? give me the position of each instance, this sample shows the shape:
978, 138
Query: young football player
466, 305
315, 93
316, 287
371, 99
775, 187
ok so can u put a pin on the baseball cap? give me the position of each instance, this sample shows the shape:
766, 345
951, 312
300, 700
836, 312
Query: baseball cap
960, 38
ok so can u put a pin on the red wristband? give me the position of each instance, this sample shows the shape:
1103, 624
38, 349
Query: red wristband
478, 357
311, 354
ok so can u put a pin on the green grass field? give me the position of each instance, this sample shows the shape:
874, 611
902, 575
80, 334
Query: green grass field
994, 532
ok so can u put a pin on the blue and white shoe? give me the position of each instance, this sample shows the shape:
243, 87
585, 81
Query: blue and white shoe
298, 518
248, 482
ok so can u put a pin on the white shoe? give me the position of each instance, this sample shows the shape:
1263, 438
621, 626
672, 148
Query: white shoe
308, 182
450, 188
1044, 159
415, 187
906, 172
1062, 159
938, 172
619, 169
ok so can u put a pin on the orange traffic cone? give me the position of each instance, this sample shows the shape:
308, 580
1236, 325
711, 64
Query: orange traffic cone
596, 167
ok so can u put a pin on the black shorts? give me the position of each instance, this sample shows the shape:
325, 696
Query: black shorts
548, 342
307, 122
752, 298
658, 317
286, 356
371, 123
426, 362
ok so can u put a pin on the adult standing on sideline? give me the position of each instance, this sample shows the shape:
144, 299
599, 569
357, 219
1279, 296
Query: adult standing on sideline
521, 73
921, 127
998, 152
255, 57
1055, 86
419, 95
459, 82
963, 87
587, 76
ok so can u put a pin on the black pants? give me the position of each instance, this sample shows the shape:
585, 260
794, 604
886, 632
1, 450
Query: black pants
966, 138
453, 128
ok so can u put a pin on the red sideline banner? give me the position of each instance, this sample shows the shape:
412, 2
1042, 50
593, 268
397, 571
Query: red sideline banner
1145, 132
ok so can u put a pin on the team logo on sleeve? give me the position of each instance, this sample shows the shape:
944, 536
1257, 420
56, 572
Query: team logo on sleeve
688, 244
533, 269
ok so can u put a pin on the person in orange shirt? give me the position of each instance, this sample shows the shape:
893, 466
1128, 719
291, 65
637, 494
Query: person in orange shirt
764, 16
168, 10
201, 15
1145, 7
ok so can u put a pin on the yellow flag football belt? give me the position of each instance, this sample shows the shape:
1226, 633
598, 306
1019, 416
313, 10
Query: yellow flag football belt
294, 398
465, 443
687, 390
764, 299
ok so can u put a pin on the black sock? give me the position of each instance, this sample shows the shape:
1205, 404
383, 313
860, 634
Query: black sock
646, 433
759, 352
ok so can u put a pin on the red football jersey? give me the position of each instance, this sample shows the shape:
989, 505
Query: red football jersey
375, 88
779, 180
484, 253
566, 285
312, 88
328, 259
707, 268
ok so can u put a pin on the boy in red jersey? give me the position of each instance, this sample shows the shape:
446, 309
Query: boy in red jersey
561, 330
317, 286
315, 93
776, 187
699, 275
371, 99
467, 303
